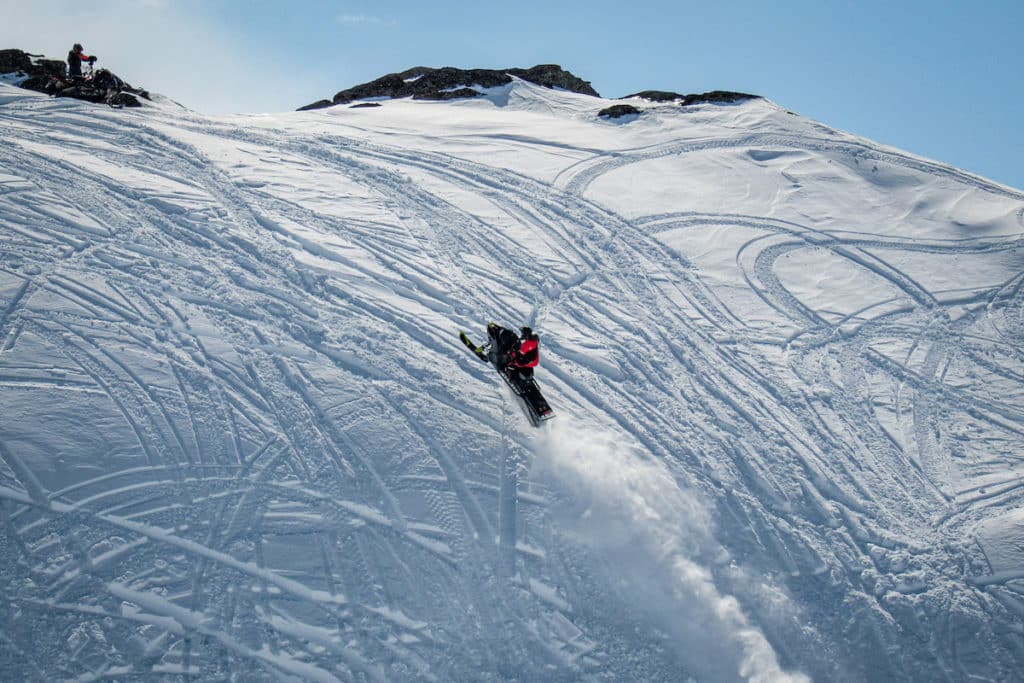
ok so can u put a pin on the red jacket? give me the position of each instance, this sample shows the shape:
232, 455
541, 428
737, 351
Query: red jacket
527, 355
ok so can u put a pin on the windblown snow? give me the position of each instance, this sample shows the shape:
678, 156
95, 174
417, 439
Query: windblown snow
240, 439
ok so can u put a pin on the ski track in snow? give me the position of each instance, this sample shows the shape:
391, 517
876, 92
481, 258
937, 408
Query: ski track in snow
241, 439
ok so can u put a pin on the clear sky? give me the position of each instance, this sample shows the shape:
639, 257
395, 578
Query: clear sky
940, 79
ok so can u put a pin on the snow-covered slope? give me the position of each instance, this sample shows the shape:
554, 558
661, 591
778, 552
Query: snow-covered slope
239, 438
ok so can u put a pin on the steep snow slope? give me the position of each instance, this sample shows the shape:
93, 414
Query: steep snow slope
240, 438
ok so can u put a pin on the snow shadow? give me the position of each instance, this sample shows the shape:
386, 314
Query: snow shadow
655, 540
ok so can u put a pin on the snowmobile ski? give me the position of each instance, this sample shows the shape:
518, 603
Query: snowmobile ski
477, 351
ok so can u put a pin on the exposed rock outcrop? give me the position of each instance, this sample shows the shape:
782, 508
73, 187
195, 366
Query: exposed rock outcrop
717, 97
426, 83
713, 97
449, 83
655, 96
319, 104
14, 61
35, 67
618, 110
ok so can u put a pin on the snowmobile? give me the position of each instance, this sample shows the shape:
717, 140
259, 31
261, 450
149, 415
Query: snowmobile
99, 86
497, 352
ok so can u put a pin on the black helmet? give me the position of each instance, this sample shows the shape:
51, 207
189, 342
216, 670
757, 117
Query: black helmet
527, 333
77, 47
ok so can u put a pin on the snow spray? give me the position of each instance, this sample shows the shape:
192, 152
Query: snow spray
652, 534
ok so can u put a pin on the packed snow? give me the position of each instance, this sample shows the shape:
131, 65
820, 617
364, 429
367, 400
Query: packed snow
240, 438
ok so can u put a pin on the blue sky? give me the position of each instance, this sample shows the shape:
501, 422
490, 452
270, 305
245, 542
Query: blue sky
940, 79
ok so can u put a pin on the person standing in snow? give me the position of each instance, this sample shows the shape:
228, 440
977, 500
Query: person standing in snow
75, 59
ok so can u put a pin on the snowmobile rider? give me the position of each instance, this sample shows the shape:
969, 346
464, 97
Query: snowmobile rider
525, 353
75, 59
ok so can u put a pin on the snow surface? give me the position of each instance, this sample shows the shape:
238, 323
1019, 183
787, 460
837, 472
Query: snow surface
240, 439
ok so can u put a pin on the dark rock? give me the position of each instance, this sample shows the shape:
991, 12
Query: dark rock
52, 67
427, 83
34, 66
424, 83
391, 85
554, 76
364, 105
319, 104
656, 96
717, 97
49, 67
125, 99
618, 110
447, 94
37, 83
14, 61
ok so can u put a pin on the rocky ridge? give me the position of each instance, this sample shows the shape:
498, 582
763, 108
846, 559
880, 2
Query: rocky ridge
427, 83
419, 83
449, 83
35, 68
664, 96
712, 97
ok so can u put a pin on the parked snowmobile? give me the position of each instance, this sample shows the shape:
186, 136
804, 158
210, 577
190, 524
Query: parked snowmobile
83, 82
